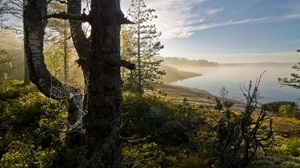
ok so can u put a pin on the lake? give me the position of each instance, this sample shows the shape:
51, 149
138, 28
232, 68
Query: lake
232, 76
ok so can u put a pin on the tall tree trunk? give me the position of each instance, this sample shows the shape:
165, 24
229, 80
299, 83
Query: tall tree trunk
81, 43
140, 89
66, 67
103, 118
26, 80
35, 12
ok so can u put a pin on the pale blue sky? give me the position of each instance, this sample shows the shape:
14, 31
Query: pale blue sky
228, 30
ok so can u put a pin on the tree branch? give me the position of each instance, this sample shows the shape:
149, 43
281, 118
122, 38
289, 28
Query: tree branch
83, 17
127, 64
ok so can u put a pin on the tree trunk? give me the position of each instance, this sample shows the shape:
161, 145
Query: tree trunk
26, 80
140, 89
81, 43
34, 23
103, 118
66, 66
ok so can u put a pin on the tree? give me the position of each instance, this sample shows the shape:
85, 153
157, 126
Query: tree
239, 136
6, 66
294, 81
2, 10
55, 63
102, 65
15, 9
62, 27
35, 14
145, 45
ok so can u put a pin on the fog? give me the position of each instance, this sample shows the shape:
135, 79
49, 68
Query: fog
232, 76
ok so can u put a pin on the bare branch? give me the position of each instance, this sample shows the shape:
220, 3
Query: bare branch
63, 15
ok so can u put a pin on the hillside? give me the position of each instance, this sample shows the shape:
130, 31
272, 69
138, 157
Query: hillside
176, 61
173, 74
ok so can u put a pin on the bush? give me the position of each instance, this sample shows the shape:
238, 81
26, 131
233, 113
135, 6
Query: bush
240, 136
30, 126
142, 155
289, 111
293, 147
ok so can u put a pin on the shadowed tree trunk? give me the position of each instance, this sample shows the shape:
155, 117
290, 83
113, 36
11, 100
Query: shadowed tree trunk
26, 80
81, 43
103, 118
35, 12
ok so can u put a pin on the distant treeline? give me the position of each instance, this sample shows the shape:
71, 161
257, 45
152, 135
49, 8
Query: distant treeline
187, 62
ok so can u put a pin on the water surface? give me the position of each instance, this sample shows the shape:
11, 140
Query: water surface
234, 76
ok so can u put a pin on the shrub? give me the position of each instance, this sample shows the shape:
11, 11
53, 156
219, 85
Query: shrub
289, 111
240, 136
30, 126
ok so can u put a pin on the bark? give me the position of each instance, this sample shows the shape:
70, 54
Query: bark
26, 80
103, 118
66, 66
81, 43
34, 24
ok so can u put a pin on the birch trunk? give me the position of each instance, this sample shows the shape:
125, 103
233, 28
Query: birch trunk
35, 12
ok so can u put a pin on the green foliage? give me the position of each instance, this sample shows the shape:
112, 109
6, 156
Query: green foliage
193, 162
30, 126
55, 62
142, 115
140, 44
275, 161
294, 147
152, 115
294, 80
177, 117
25, 155
238, 137
289, 111
54, 59
143, 155
6, 66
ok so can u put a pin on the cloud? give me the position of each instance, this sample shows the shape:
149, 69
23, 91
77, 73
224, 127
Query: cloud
230, 22
175, 17
181, 18
291, 16
214, 11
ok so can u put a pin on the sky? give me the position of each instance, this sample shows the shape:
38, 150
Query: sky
228, 30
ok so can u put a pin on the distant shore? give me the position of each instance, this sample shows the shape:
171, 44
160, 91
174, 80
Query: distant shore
178, 93
173, 74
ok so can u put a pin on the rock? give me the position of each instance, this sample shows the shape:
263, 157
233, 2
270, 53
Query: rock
173, 133
156, 117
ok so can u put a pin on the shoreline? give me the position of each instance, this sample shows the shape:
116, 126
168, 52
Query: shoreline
174, 75
194, 95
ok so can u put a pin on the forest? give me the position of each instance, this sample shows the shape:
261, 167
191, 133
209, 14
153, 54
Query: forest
81, 85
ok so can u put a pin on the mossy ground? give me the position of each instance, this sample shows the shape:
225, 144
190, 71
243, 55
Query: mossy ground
31, 130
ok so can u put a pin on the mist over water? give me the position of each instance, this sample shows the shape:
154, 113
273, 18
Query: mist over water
233, 76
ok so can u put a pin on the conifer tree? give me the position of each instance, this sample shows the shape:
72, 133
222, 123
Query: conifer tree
61, 27
145, 45
6, 67
294, 81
